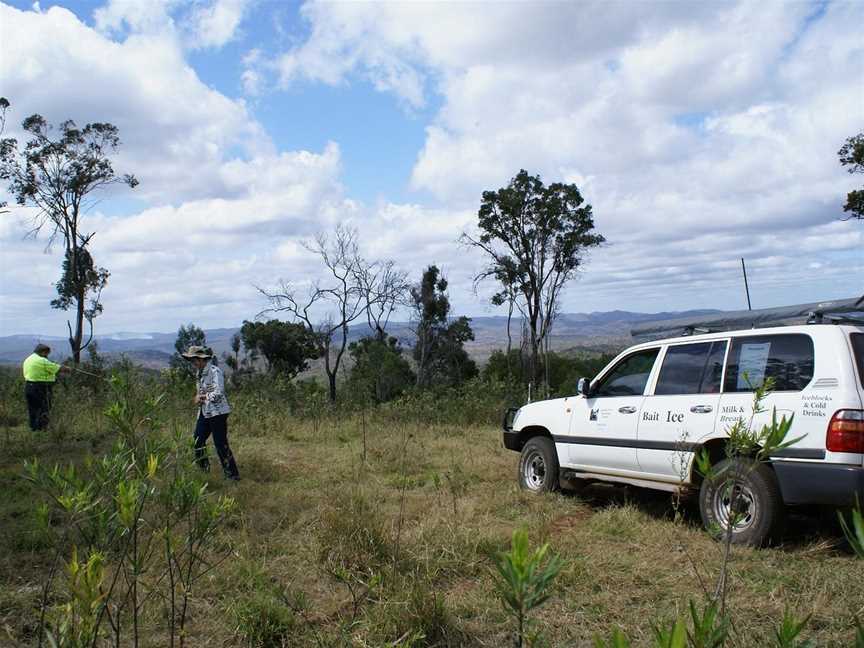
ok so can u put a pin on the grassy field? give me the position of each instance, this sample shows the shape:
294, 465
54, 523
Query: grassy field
337, 542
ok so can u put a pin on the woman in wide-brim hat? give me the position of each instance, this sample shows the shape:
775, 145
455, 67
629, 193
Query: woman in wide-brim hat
213, 410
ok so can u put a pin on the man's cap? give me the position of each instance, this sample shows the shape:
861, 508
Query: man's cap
198, 352
42, 348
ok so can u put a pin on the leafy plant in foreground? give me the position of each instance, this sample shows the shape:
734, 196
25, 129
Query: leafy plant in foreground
787, 633
80, 617
854, 530
524, 581
708, 629
674, 637
116, 510
620, 640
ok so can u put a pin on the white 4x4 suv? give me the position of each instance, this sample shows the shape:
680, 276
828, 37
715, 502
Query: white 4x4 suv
643, 418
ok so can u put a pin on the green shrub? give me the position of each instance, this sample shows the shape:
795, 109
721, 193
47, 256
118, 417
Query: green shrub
262, 621
524, 580
353, 535
380, 371
414, 614
564, 370
853, 530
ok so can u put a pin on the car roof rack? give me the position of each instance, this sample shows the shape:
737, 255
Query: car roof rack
822, 318
698, 330
838, 311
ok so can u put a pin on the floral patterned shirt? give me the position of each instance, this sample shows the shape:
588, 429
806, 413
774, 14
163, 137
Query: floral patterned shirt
211, 384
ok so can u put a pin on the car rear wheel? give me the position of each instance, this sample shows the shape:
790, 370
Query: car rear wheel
744, 494
538, 466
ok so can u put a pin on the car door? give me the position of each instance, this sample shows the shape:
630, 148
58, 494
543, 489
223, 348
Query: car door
681, 409
603, 434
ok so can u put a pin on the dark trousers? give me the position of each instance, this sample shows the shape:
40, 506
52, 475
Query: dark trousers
38, 395
218, 427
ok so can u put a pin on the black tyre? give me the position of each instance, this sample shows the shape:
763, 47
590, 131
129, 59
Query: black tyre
750, 490
538, 466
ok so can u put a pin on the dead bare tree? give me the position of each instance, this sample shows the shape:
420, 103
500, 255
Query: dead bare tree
385, 288
338, 301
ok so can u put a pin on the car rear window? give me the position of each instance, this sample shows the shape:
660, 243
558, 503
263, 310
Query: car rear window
787, 358
858, 350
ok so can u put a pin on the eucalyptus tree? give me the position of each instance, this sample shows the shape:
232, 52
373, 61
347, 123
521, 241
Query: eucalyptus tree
56, 173
187, 335
535, 239
852, 156
286, 347
439, 348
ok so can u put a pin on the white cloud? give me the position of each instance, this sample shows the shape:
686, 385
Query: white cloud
176, 132
252, 77
216, 24
186, 262
137, 17
200, 24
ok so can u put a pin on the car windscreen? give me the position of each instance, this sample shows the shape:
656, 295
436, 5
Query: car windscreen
858, 350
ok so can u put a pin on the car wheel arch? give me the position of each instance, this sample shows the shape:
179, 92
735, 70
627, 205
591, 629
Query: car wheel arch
716, 448
531, 431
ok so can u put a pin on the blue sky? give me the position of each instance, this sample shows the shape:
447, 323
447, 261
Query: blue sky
699, 132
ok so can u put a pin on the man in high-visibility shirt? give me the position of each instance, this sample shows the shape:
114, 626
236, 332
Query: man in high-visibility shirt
39, 376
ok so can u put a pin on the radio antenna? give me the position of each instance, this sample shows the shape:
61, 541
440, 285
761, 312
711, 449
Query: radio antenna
746, 287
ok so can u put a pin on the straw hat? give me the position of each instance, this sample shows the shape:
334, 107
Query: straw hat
198, 352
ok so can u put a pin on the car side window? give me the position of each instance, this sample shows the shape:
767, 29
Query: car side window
628, 377
692, 369
787, 358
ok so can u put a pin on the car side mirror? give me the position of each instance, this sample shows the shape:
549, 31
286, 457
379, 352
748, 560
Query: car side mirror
583, 387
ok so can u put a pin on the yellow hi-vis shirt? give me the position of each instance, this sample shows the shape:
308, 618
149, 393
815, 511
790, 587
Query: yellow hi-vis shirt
39, 369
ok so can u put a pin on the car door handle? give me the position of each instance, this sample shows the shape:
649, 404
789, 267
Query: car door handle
627, 409
701, 409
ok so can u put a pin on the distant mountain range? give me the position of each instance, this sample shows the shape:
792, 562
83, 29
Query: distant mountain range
589, 332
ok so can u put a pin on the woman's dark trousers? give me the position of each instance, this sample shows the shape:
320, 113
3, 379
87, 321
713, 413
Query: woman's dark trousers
218, 427
38, 396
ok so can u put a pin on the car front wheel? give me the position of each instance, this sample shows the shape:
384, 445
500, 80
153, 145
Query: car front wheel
743, 494
538, 466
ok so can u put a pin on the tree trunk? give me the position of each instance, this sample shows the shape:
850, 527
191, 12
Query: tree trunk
546, 362
421, 360
75, 342
509, 339
533, 369
331, 372
331, 379
533, 316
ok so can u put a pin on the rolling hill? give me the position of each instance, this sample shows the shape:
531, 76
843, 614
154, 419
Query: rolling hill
600, 331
